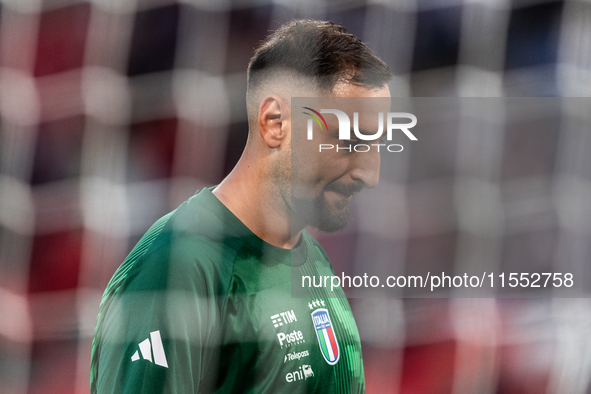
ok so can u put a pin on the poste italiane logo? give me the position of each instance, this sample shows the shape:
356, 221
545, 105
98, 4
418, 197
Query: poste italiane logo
345, 129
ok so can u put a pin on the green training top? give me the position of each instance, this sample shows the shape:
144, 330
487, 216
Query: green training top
202, 305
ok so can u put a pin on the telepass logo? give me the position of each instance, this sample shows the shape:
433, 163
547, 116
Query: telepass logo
345, 129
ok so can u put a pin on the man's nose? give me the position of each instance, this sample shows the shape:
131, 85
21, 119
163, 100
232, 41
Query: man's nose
366, 167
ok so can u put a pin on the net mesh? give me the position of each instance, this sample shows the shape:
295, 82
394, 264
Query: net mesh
114, 112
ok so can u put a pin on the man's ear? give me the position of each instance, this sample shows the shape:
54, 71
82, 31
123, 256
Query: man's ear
273, 116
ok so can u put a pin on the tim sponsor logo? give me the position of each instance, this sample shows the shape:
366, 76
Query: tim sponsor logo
282, 318
303, 373
295, 356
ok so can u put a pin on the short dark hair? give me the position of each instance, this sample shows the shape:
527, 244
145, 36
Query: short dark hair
320, 50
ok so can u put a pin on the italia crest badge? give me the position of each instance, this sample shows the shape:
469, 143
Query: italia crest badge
327, 339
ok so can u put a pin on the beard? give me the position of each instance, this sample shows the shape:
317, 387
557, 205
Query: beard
318, 213
293, 181
315, 210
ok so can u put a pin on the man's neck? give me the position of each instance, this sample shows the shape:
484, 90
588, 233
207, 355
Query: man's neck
248, 194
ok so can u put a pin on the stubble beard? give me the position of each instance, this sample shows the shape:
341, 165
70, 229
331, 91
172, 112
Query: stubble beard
318, 213
307, 209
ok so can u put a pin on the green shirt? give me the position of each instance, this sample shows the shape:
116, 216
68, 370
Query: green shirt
203, 305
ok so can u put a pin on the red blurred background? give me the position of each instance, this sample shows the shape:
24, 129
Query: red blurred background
113, 112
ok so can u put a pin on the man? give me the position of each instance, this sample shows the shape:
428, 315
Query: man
203, 302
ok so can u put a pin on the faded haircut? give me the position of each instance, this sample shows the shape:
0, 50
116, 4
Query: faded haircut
315, 54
